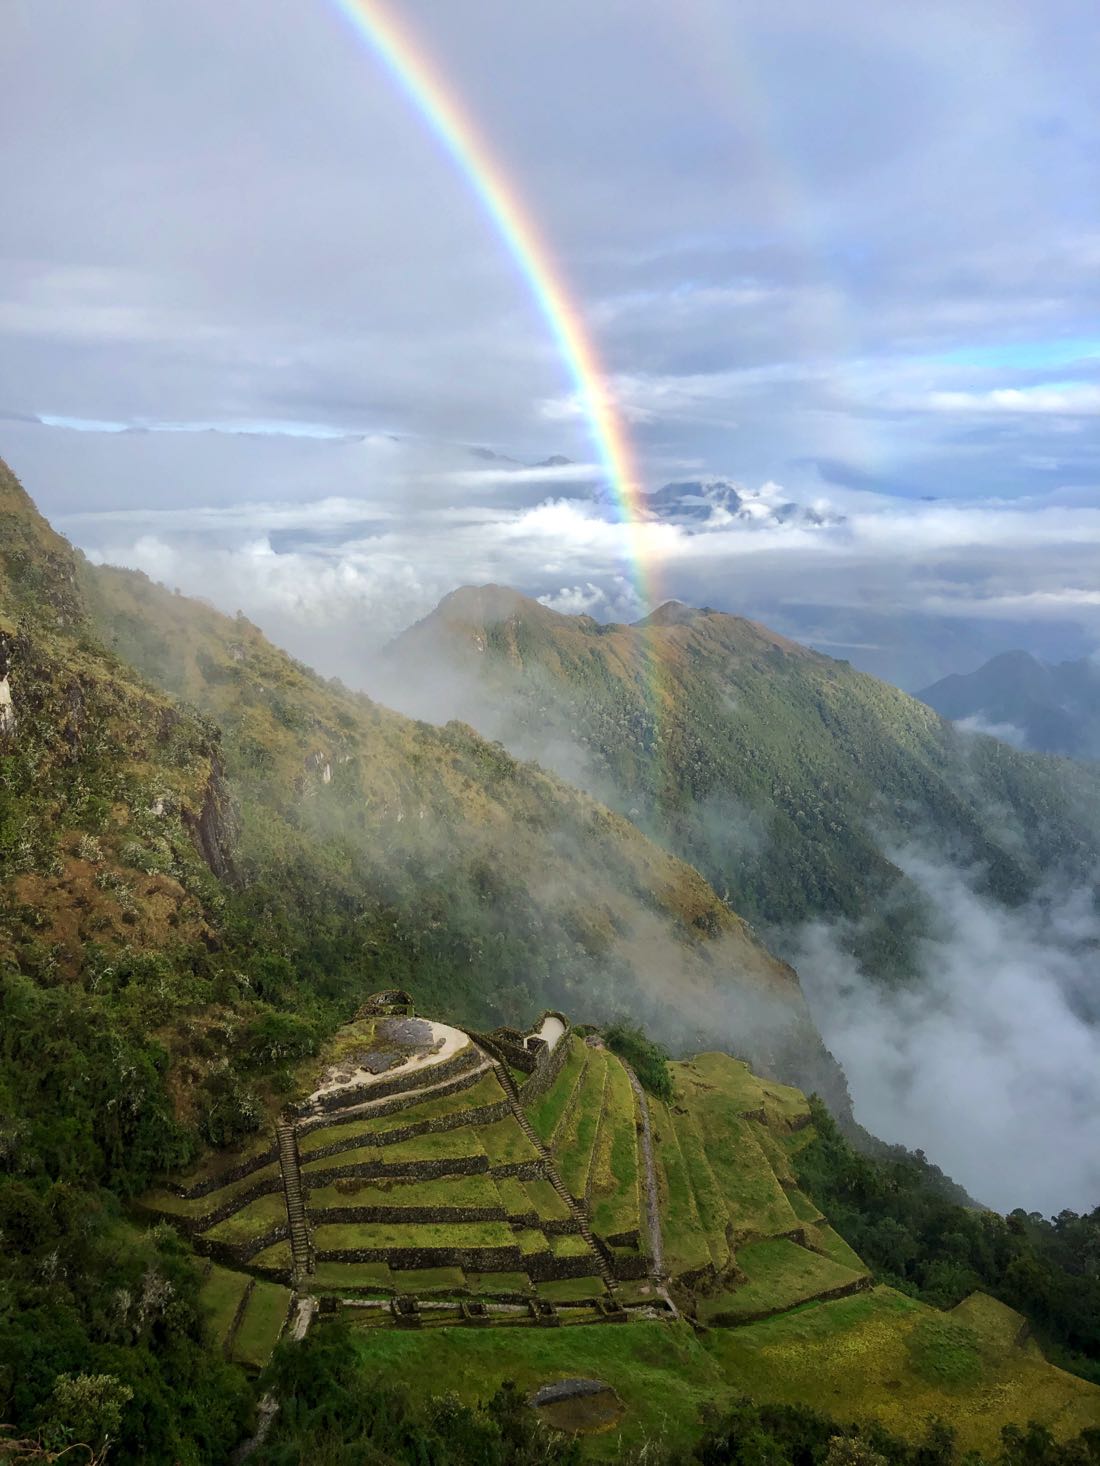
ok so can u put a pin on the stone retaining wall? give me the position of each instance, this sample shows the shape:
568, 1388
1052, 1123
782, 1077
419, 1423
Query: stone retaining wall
236, 1253
479, 1115
399, 1214
463, 1165
731, 1320
382, 1088
549, 1065
630, 1238
544, 1267
193, 1225
477, 1259
389, 1105
629, 1269
522, 1170
234, 1173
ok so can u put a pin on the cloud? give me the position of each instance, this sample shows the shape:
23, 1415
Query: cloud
1006, 732
991, 1063
1069, 400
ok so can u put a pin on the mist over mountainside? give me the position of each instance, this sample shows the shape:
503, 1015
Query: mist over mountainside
1032, 704
835, 812
297, 844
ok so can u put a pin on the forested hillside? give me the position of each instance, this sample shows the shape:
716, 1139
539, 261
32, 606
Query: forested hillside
789, 778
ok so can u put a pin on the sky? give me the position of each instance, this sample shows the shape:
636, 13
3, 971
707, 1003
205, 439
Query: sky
258, 336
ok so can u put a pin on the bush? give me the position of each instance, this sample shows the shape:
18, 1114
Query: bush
648, 1060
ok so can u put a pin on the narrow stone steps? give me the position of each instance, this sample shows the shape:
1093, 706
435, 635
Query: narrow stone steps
301, 1247
508, 1084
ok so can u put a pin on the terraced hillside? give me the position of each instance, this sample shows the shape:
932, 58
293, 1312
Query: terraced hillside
754, 1292
407, 1168
425, 1182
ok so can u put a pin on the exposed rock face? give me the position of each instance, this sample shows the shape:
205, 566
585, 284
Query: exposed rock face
7, 706
214, 828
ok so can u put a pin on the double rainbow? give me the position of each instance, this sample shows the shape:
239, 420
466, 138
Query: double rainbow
404, 58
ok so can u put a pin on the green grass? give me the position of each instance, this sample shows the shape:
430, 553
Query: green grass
491, 1284
529, 1241
220, 1296
442, 1191
755, 1203
685, 1240
353, 1235
261, 1324
661, 1371
945, 1351
546, 1200
195, 1208
443, 1145
569, 1244
771, 1142
369, 1276
505, 1143
854, 1358
804, 1209
217, 1162
428, 1279
992, 1320
276, 1259
709, 1202
614, 1172
486, 1091
834, 1246
252, 1221
513, 1196
546, 1112
780, 1275
574, 1145
571, 1290
748, 1091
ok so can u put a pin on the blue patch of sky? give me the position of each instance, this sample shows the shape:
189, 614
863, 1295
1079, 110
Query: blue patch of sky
1025, 355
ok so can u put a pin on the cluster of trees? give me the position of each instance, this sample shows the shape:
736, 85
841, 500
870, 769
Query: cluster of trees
795, 1435
899, 1215
648, 1059
333, 1414
102, 1340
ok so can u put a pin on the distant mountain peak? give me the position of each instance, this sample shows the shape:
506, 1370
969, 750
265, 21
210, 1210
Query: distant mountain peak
1048, 707
485, 603
673, 613
714, 503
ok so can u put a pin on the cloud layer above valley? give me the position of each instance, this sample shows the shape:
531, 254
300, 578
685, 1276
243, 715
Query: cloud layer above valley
992, 1064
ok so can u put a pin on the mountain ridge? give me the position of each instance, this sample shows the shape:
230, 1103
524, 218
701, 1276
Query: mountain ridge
788, 777
1046, 707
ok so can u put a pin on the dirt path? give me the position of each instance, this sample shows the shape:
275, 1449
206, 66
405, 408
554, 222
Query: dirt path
652, 1208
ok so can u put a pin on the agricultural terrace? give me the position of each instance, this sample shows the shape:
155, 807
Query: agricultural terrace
477, 1208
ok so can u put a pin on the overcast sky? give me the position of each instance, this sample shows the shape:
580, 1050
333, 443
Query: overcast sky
851, 251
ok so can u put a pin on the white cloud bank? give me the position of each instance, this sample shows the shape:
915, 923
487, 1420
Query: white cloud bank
992, 1066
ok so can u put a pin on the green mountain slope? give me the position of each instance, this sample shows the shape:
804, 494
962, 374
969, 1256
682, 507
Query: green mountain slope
1050, 708
787, 777
214, 841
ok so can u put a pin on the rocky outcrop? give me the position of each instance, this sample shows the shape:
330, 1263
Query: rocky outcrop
214, 827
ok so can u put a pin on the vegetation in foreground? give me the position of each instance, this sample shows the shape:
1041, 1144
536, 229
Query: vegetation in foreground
344, 1411
894, 1213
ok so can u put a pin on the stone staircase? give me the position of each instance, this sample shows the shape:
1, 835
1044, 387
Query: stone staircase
301, 1248
597, 1248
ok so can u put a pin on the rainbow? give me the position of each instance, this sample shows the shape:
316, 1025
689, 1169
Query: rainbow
405, 60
